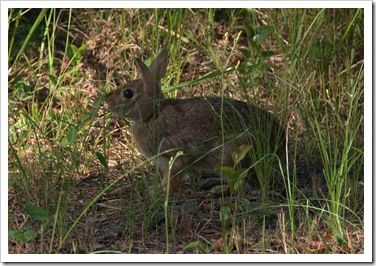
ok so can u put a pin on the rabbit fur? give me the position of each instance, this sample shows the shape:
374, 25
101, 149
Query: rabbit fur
164, 126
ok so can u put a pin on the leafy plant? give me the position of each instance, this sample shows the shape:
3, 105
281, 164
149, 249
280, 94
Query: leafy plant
25, 235
237, 175
198, 246
28, 234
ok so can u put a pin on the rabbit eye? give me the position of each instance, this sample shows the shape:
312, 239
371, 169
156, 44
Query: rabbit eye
128, 93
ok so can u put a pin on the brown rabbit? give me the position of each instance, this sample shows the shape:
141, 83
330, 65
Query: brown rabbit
206, 129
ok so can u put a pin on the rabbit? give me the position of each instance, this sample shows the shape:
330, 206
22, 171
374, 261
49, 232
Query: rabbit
208, 130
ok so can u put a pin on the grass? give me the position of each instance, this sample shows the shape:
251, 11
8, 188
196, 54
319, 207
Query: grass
77, 184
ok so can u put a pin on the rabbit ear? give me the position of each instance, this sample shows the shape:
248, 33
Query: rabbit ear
146, 75
159, 66
151, 77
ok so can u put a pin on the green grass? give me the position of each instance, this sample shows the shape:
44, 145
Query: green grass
77, 183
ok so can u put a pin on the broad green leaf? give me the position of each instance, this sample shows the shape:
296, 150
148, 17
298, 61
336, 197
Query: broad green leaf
71, 51
64, 142
20, 88
74, 54
149, 61
25, 235
262, 33
194, 245
225, 214
99, 100
238, 181
85, 116
227, 171
72, 134
36, 213
240, 153
102, 159
70, 138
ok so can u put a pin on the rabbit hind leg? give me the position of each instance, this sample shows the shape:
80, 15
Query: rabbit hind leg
170, 173
215, 178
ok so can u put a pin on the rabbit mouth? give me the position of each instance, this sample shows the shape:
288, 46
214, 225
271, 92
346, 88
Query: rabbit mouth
120, 111
124, 111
